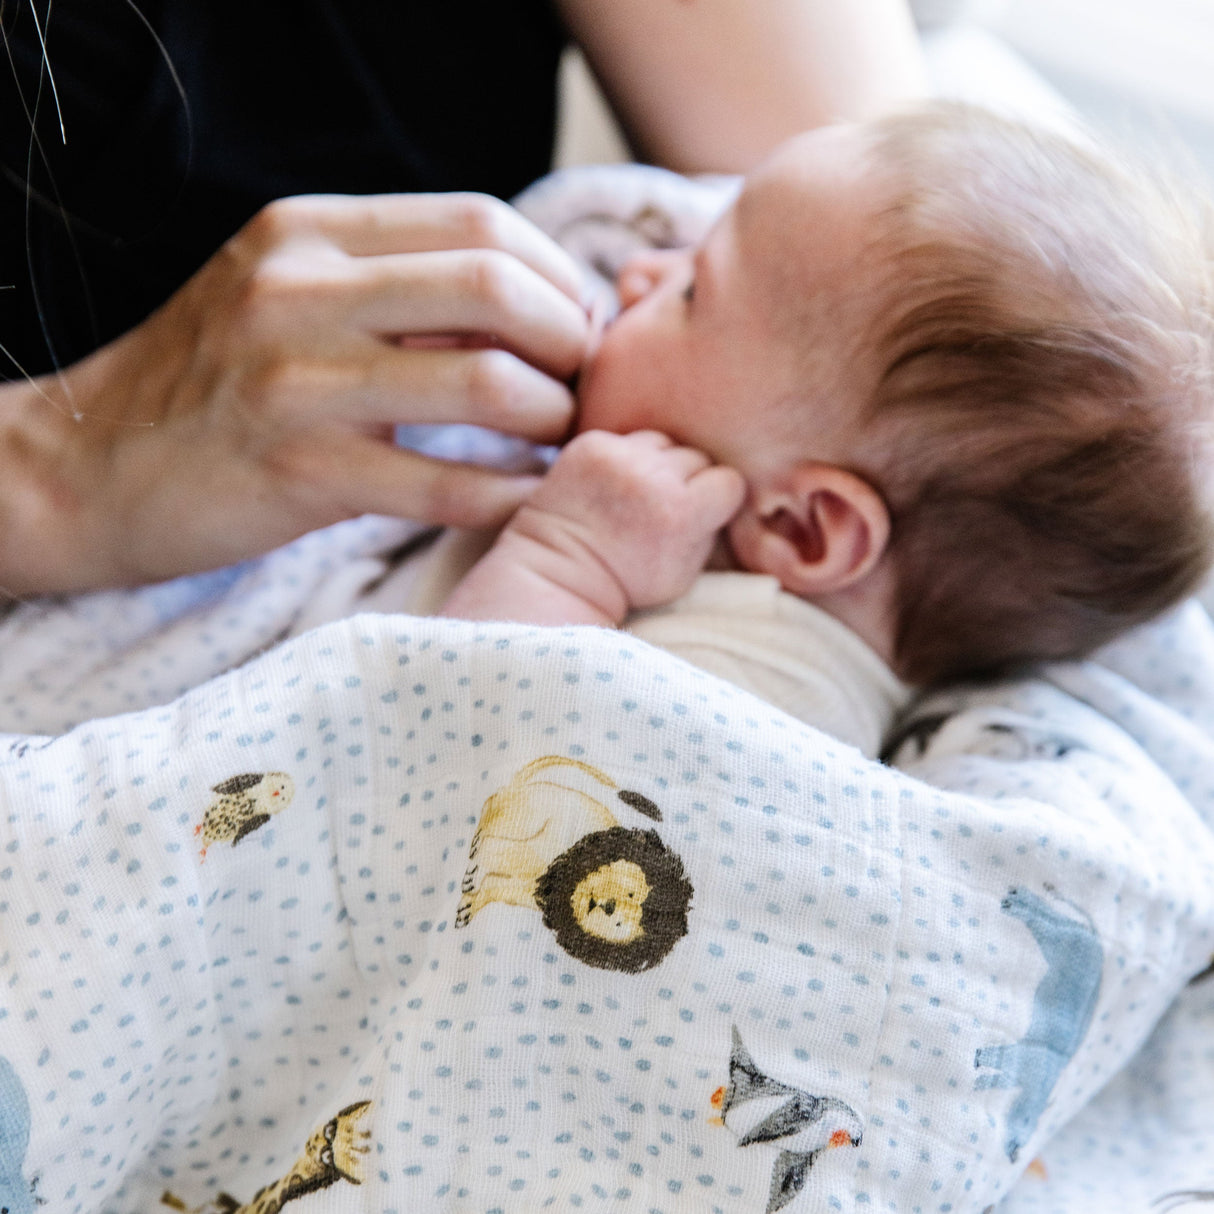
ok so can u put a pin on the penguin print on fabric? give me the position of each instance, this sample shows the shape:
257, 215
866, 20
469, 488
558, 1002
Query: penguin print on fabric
761, 1110
615, 897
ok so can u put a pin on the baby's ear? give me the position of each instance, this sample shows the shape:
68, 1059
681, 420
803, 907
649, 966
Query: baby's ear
818, 529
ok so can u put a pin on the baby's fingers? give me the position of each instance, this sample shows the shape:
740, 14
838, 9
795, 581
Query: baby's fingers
652, 449
719, 493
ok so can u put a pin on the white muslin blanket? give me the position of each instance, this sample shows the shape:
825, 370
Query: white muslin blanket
413, 914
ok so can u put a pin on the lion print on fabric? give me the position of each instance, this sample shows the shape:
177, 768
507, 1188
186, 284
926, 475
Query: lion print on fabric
615, 897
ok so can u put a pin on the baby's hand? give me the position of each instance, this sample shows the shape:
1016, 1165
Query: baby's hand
632, 517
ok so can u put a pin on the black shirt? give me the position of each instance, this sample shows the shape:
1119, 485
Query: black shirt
183, 117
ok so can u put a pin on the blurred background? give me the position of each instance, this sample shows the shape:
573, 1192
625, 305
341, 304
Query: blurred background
1140, 71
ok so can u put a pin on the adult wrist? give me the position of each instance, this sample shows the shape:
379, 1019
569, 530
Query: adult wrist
52, 522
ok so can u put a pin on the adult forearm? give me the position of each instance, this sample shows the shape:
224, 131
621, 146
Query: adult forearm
715, 84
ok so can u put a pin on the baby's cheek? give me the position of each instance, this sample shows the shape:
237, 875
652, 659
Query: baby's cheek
594, 399
615, 390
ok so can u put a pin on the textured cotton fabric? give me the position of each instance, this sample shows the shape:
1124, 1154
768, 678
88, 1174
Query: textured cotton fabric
740, 626
746, 629
313, 900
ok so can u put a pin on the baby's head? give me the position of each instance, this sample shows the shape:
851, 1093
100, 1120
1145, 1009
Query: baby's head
967, 370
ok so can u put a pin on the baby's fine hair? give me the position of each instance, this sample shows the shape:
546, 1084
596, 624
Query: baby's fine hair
1042, 428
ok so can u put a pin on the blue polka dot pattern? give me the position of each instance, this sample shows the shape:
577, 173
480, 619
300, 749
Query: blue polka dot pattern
1145, 1142
185, 1023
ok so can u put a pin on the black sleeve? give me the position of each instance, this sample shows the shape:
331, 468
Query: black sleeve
146, 135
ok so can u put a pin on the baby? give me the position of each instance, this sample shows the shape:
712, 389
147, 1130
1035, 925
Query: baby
945, 381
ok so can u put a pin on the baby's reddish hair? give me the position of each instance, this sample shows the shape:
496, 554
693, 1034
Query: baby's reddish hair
1041, 429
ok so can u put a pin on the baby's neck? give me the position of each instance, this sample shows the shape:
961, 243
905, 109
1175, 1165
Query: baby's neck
866, 607
722, 559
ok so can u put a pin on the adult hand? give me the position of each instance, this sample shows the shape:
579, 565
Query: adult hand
260, 401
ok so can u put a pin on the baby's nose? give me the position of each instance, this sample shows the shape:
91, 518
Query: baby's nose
642, 272
633, 283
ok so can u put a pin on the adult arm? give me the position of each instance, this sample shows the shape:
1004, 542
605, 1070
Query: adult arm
713, 85
260, 401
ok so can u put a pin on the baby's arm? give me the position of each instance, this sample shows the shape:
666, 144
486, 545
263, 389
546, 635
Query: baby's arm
621, 522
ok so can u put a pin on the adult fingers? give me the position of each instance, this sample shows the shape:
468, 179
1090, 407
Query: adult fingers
405, 386
382, 224
361, 475
481, 291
